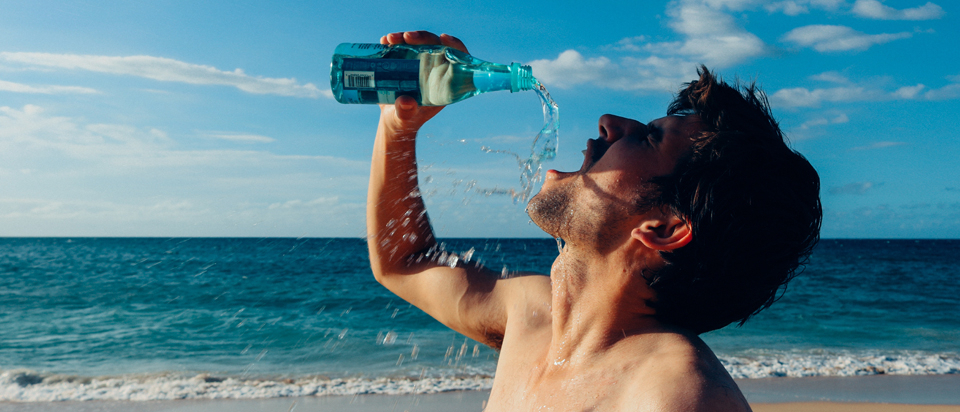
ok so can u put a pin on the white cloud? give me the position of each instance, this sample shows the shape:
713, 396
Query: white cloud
240, 137
730, 4
297, 203
633, 44
831, 77
570, 68
878, 145
708, 35
711, 36
824, 121
47, 89
797, 7
30, 132
169, 70
948, 92
68, 176
867, 91
909, 92
874, 9
803, 97
827, 38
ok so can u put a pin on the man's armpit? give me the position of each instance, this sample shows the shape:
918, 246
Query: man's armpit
492, 338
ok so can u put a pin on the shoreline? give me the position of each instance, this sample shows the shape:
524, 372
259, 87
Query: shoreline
883, 393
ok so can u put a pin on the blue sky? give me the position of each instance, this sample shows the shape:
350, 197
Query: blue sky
215, 118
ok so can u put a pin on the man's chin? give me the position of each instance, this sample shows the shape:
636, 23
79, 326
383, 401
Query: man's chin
546, 210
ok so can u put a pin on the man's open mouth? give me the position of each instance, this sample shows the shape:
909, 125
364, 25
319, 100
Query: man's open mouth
595, 150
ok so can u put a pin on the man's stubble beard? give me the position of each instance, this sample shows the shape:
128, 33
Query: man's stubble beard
596, 224
551, 210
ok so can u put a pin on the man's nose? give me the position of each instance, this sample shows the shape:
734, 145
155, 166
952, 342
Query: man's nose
612, 128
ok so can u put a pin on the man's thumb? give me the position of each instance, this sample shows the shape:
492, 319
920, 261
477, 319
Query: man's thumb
406, 107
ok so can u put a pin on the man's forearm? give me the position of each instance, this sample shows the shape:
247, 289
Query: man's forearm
397, 224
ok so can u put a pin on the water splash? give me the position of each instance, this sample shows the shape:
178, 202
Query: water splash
544, 145
544, 148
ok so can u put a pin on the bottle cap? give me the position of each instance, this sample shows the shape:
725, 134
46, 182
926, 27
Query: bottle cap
521, 77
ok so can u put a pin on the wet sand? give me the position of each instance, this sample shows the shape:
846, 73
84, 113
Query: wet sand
936, 393
850, 407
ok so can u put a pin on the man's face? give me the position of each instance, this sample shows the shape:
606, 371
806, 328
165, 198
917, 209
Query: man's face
596, 201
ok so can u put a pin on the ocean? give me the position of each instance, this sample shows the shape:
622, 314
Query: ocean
182, 318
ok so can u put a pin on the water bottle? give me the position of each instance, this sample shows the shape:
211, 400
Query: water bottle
434, 75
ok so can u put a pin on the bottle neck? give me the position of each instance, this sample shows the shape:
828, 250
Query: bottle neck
521, 78
515, 78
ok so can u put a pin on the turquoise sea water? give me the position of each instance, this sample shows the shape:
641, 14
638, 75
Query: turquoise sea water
129, 318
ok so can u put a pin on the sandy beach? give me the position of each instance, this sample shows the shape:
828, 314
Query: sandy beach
934, 393
461, 401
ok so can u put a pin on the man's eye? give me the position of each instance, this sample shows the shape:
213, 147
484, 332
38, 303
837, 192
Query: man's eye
655, 134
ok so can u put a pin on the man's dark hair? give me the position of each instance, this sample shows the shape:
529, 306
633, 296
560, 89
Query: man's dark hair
753, 205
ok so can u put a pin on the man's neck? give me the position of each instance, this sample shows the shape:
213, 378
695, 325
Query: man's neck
598, 301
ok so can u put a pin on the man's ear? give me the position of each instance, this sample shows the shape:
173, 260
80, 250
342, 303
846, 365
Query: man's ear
663, 232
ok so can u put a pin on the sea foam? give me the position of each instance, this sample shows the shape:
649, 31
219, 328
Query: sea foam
798, 365
24, 385
31, 386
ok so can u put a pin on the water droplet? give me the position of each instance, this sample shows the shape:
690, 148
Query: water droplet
390, 338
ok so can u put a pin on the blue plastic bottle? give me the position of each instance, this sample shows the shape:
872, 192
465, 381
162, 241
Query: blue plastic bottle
434, 75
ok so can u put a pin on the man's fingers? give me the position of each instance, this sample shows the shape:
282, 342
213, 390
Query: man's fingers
406, 107
392, 38
450, 41
421, 37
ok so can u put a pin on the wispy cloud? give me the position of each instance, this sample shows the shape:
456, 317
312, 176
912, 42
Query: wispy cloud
827, 38
909, 92
46, 89
848, 91
708, 35
874, 9
797, 7
857, 188
823, 121
30, 131
120, 179
803, 97
831, 77
169, 70
950, 91
878, 145
871, 9
297, 203
240, 137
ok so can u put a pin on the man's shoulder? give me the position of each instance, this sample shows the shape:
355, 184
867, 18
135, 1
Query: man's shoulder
682, 374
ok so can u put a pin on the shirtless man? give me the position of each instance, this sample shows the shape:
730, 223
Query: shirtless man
672, 228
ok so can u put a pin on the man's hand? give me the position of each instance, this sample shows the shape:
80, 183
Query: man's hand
404, 118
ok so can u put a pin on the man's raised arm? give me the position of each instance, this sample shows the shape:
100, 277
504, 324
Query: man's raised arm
467, 298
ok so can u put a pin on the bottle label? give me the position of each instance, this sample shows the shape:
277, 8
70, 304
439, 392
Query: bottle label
380, 80
381, 74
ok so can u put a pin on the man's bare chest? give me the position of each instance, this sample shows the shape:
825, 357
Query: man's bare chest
529, 380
